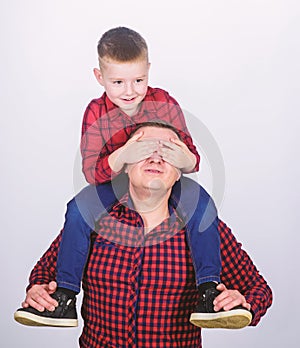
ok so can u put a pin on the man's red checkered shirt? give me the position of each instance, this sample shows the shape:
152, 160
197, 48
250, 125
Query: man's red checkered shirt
106, 127
139, 290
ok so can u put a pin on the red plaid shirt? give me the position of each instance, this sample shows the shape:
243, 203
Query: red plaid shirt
106, 127
142, 295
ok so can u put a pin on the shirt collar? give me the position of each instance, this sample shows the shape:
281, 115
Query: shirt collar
126, 201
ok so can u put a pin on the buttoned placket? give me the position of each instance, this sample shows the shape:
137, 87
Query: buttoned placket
138, 253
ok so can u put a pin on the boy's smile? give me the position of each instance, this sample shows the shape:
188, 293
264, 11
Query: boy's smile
125, 83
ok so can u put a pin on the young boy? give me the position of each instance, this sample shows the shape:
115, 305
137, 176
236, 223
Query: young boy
107, 124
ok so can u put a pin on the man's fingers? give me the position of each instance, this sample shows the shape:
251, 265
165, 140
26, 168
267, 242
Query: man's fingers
38, 297
43, 300
229, 299
247, 305
229, 303
25, 304
52, 287
221, 287
31, 303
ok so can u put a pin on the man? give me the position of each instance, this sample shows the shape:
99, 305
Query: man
139, 284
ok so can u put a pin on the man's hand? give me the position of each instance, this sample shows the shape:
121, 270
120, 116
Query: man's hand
132, 151
229, 299
177, 154
39, 297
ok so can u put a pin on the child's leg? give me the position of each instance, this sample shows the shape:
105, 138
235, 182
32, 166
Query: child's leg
82, 212
203, 236
204, 241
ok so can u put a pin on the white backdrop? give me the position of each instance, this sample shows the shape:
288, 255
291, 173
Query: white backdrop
233, 64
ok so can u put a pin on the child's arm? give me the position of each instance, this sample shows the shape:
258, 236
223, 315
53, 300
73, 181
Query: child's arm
99, 139
104, 146
171, 112
101, 134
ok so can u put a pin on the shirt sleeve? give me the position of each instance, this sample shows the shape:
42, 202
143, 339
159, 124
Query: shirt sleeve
239, 272
176, 118
93, 148
45, 269
101, 135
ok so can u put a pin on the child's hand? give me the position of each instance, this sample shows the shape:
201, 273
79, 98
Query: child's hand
133, 151
136, 151
177, 154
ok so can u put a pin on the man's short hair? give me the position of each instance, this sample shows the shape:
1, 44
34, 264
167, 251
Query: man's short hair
122, 44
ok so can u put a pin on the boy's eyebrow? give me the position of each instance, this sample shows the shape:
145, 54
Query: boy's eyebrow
120, 78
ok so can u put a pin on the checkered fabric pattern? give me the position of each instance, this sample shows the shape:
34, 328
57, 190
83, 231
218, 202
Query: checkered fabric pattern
106, 127
142, 295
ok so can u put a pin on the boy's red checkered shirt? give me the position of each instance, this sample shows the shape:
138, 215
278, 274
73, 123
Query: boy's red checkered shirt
106, 127
141, 291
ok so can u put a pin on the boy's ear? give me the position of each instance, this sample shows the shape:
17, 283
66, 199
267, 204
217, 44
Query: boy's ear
98, 75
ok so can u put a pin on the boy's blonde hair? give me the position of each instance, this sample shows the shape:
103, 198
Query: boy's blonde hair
122, 44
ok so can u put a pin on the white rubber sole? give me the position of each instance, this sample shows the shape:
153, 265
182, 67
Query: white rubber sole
31, 319
233, 319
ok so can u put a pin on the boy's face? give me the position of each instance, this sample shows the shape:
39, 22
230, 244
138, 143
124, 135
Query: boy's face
125, 83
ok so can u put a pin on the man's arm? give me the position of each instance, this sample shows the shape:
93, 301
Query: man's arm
240, 273
42, 280
45, 269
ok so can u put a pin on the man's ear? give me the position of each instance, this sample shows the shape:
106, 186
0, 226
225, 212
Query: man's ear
179, 174
98, 75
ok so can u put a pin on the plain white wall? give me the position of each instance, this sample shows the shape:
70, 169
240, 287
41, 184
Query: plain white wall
232, 64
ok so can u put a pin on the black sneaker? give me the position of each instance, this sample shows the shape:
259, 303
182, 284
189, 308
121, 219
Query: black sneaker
205, 316
64, 315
